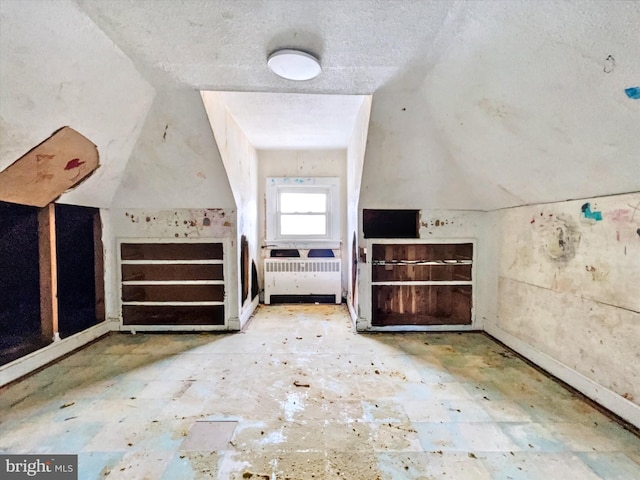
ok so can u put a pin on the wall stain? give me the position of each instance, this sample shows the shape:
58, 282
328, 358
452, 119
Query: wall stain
596, 275
620, 215
609, 64
563, 239
206, 222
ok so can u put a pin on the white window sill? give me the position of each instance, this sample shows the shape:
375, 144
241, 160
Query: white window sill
302, 244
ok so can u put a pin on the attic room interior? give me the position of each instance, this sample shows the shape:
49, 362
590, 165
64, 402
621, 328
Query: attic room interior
353, 239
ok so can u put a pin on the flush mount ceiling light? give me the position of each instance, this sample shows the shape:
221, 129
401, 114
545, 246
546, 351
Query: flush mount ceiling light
294, 64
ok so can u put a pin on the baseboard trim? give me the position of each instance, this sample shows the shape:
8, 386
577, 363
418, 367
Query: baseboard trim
610, 400
247, 313
353, 315
29, 363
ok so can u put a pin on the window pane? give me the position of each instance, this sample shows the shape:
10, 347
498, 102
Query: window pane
292, 202
303, 225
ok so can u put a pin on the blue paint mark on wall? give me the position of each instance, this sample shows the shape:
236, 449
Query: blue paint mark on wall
633, 92
586, 211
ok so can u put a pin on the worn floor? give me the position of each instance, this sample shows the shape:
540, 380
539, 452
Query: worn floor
300, 396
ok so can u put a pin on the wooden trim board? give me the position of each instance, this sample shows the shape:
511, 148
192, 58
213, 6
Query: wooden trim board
45, 172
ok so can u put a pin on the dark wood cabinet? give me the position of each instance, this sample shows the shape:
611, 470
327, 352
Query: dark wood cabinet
421, 284
172, 285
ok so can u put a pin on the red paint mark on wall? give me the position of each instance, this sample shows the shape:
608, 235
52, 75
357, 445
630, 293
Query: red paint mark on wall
74, 163
619, 215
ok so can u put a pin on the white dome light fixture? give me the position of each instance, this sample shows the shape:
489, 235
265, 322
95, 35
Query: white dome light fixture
294, 64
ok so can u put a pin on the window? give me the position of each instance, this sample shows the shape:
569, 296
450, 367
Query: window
302, 209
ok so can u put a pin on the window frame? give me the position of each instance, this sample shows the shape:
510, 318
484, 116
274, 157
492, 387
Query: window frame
278, 185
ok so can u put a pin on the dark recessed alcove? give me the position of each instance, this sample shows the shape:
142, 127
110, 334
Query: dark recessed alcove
391, 223
19, 282
76, 262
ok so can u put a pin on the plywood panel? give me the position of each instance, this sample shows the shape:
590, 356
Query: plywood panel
421, 305
173, 293
98, 260
44, 173
171, 251
244, 267
403, 272
173, 315
48, 272
172, 272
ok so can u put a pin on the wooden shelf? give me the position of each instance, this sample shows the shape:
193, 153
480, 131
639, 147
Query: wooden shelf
421, 283
172, 284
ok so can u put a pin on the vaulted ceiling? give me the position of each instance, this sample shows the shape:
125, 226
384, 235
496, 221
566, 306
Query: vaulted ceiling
476, 104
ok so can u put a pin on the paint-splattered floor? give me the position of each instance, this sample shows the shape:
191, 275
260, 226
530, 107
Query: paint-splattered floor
311, 400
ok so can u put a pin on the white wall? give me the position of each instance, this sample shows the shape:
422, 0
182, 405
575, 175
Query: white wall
355, 164
176, 162
214, 224
58, 68
569, 294
407, 164
303, 163
241, 164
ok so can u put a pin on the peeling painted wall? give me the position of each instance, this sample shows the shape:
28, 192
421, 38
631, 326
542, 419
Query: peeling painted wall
241, 164
569, 286
57, 68
173, 224
355, 165
449, 225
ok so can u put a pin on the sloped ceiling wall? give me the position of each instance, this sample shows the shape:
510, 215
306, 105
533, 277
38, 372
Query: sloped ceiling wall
58, 68
525, 103
476, 105
533, 101
176, 162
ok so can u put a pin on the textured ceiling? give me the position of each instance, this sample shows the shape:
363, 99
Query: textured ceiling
274, 121
476, 104
224, 45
